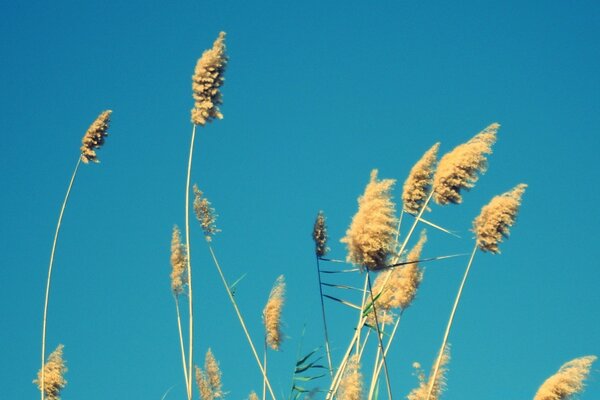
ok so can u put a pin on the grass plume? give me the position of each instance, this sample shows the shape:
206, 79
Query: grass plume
351, 385
209, 379
495, 219
460, 168
272, 314
568, 381
178, 262
320, 235
205, 214
370, 237
438, 384
94, 137
51, 378
420, 179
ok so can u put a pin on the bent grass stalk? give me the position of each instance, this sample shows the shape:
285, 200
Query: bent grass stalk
449, 326
185, 374
52, 252
241, 319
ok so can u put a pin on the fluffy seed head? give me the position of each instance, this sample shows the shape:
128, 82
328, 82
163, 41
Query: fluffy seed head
178, 262
209, 379
420, 392
495, 219
272, 314
253, 396
205, 214
207, 79
54, 372
370, 237
568, 381
460, 168
351, 385
320, 235
418, 184
94, 137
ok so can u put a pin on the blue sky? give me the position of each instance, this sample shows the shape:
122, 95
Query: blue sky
317, 94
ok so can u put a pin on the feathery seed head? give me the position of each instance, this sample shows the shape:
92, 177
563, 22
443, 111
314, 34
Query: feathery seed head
205, 214
272, 314
460, 168
351, 385
370, 237
178, 262
207, 79
568, 381
253, 396
209, 380
94, 137
54, 371
418, 184
320, 235
420, 392
495, 219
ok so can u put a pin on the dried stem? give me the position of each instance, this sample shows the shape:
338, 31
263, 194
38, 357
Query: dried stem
185, 373
189, 265
44, 322
327, 349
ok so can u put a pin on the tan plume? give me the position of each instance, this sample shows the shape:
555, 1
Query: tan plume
420, 179
94, 137
351, 385
207, 79
209, 379
420, 392
495, 219
272, 314
54, 375
370, 237
205, 214
460, 168
253, 396
320, 235
568, 381
178, 262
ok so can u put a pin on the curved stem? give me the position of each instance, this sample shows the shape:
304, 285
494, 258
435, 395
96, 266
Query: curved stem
185, 374
387, 347
449, 326
327, 350
241, 319
44, 322
380, 341
189, 265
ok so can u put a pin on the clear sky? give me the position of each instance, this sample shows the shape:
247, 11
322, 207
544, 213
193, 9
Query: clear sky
317, 94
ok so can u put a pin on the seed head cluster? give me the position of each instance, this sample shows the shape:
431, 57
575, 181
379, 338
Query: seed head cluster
418, 184
272, 314
320, 235
460, 168
205, 214
370, 238
351, 385
568, 381
207, 79
178, 262
209, 379
495, 219
420, 392
53, 375
94, 137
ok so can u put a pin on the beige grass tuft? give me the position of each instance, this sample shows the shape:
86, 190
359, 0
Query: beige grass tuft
272, 314
370, 237
205, 214
178, 262
209, 379
207, 79
420, 392
568, 381
495, 219
320, 235
460, 168
351, 385
420, 179
94, 137
54, 372
253, 396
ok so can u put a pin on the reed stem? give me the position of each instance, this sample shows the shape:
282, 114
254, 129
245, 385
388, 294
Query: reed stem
185, 374
189, 265
241, 319
327, 349
449, 326
47, 296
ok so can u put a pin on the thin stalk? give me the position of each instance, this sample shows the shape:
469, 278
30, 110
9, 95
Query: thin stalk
189, 264
375, 365
387, 347
264, 393
44, 322
380, 342
327, 350
185, 374
449, 326
241, 319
